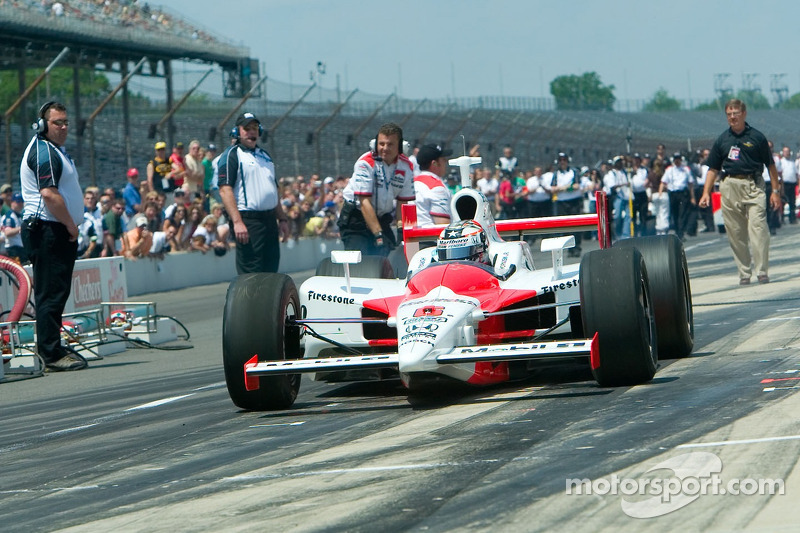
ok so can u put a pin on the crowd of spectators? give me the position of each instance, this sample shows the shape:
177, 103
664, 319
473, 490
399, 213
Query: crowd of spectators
184, 214
128, 13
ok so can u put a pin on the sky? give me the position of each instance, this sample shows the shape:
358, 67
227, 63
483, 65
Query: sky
460, 48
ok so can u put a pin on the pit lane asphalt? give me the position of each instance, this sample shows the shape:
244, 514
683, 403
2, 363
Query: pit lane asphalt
148, 440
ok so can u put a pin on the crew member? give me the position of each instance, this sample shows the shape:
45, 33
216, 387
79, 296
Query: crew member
432, 195
741, 152
53, 210
380, 177
249, 190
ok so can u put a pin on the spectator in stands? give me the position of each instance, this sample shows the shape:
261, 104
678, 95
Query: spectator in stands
488, 184
131, 193
162, 242
140, 239
773, 215
539, 202
616, 185
177, 221
295, 222
567, 195
193, 222
195, 172
179, 198
640, 182
114, 242
206, 238
12, 229
208, 168
678, 180
5, 198
178, 163
90, 231
223, 228
789, 178
507, 163
705, 213
505, 201
159, 170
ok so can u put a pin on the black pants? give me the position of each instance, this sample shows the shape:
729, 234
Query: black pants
679, 204
773, 217
640, 203
790, 193
262, 253
53, 257
356, 235
696, 213
570, 207
540, 209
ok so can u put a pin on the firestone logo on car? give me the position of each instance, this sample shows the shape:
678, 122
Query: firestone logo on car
330, 298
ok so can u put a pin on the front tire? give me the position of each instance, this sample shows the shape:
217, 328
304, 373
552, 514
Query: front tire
668, 274
615, 304
257, 320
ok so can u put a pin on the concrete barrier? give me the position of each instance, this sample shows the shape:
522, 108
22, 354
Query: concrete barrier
189, 269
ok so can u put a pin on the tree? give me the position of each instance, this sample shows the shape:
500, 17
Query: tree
793, 102
584, 92
753, 99
662, 101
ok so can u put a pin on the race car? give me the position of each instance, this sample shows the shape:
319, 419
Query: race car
473, 308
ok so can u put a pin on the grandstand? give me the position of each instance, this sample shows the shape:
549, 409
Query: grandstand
110, 39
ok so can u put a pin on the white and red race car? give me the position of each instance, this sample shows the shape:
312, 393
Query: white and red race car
478, 321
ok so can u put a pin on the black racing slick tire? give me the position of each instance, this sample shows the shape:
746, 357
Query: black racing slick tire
670, 291
615, 304
257, 320
371, 266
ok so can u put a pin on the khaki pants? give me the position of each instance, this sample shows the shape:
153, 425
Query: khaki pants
745, 215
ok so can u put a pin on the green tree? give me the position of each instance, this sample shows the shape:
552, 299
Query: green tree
753, 99
584, 92
662, 101
793, 102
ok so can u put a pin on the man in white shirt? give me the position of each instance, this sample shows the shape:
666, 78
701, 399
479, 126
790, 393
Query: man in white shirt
432, 195
678, 180
489, 185
789, 176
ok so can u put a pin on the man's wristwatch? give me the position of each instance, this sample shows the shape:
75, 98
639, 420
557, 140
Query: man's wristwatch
379, 239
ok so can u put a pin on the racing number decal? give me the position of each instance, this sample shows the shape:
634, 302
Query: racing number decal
429, 310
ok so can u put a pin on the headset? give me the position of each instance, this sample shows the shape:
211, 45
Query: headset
235, 130
40, 126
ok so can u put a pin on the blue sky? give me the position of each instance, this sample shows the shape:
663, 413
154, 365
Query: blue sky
463, 48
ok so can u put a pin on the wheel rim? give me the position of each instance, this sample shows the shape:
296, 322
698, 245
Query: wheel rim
290, 315
651, 321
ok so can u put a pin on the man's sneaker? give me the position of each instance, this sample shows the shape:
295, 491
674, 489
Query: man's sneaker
763, 278
744, 281
72, 361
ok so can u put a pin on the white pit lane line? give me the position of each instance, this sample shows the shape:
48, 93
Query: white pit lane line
737, 442
93, 423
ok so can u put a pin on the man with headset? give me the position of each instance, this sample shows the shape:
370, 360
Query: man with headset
53, 210
249, 191
380, 177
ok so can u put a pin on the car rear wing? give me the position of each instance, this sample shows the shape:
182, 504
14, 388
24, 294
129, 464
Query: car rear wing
515, 229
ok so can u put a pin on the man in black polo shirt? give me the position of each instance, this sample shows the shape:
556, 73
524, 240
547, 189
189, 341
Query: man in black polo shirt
741, 153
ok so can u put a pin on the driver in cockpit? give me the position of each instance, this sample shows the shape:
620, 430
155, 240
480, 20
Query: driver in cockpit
464, 240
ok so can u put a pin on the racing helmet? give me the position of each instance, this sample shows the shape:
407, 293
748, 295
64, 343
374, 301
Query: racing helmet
465, 240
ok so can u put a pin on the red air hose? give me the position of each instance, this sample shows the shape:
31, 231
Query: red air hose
25, 287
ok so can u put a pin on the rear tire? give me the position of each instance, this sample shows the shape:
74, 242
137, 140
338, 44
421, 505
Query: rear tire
371, 266
670, 291
257, 307
615, 304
